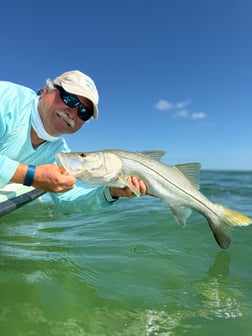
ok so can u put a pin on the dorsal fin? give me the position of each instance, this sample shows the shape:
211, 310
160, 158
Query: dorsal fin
154, 154
191, 171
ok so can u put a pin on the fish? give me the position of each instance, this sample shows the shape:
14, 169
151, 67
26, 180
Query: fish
176, 185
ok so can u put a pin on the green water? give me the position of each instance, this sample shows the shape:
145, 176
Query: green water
129, 270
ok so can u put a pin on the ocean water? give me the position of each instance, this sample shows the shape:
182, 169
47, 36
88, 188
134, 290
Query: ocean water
130, 270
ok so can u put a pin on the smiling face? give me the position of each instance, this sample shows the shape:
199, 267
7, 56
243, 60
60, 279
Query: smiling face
57, 117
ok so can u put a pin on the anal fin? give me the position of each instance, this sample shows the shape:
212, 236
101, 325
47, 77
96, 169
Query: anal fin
181, 214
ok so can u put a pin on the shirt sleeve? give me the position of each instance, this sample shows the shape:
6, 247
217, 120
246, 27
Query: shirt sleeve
14, 122
7, 169
82, 199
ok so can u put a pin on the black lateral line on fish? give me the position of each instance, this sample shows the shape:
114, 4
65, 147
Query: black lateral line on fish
170, 182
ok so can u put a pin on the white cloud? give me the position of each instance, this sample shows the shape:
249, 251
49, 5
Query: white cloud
179, 109
181, 105
198, 115
164, 105
180, 114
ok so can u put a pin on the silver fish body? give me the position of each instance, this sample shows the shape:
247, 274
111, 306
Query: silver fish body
177, 186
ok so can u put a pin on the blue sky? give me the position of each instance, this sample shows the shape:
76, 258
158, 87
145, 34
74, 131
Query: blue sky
172, 74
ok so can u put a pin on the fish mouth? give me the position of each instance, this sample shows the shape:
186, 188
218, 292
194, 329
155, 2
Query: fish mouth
63, 115
62, 161
72, 167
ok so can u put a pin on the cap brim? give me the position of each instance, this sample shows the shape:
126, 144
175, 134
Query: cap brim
96, 112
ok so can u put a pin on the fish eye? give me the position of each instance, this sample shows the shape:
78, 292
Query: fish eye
82, 155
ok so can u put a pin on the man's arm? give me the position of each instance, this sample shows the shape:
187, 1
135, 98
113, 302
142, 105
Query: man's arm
48, 177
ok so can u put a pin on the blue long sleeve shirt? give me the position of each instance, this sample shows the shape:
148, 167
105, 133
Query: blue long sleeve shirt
16, 104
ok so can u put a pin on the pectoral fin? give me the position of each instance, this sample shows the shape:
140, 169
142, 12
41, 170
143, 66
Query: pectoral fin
125, 182
181, 214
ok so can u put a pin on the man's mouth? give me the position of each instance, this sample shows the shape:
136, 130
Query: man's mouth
63, 115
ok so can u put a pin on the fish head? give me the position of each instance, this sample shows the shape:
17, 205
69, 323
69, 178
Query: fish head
98, 168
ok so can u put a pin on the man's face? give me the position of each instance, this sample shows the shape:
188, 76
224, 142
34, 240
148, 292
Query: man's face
57, 117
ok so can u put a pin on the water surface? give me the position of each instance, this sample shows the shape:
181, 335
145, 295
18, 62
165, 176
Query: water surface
129, 270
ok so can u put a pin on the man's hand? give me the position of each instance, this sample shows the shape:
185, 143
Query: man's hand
127, 192
48, 177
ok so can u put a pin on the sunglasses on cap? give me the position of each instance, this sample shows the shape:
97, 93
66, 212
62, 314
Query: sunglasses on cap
71, 100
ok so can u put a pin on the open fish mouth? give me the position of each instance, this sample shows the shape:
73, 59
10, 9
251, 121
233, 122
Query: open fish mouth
63, 115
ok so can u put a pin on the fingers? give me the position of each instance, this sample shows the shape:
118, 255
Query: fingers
127, 192
52, 178
139, 184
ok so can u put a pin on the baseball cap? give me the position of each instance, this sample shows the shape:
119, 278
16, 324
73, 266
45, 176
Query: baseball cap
79, 84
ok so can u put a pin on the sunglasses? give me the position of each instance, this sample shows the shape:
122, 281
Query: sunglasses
71, 100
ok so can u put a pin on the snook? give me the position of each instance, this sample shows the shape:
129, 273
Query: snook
177, 186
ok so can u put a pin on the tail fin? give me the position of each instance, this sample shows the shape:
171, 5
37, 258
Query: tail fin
222, 224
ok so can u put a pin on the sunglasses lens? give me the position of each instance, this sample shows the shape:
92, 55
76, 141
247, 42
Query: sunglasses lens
84, 113
70, 100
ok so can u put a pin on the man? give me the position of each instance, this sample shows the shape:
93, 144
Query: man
31, 129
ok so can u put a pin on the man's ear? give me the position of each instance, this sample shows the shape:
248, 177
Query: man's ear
40, 92
45, 90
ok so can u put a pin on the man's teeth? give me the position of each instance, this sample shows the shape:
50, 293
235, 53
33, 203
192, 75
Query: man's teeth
65, 117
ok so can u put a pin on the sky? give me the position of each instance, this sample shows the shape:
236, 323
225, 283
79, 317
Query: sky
172, 75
